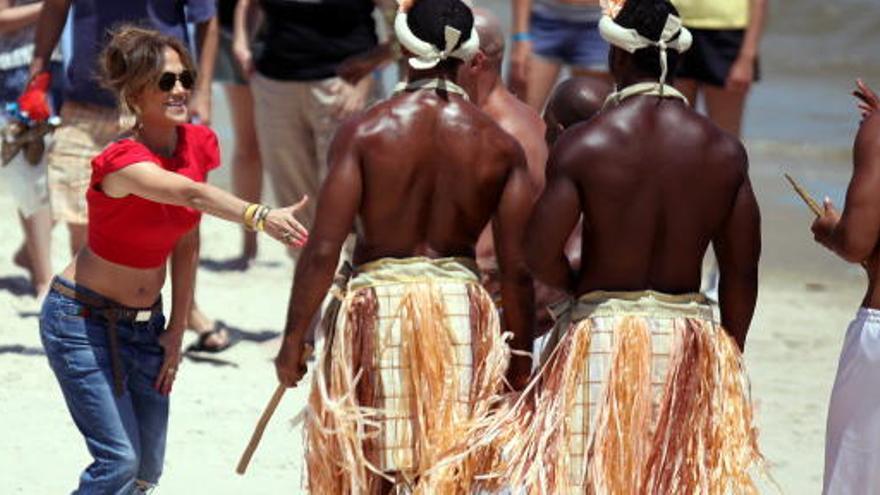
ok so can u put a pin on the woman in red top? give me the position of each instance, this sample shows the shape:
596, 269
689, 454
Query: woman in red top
102, 324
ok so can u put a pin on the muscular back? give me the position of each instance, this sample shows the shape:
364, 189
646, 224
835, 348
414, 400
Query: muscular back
656, 183
433, 171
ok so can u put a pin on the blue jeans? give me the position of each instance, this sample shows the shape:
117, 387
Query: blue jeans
125, 434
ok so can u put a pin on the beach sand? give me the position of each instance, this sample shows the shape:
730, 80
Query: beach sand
807, 298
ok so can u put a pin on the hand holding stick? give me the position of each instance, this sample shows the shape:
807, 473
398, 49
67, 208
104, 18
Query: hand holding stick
811, 203
264, 419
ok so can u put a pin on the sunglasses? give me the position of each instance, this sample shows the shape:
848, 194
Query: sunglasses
168, 79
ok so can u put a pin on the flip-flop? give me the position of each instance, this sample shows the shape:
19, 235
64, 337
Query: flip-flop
218, 329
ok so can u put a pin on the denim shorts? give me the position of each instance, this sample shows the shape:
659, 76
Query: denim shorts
572, 43
124, 434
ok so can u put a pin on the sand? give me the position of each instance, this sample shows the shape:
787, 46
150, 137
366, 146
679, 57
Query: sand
807, 298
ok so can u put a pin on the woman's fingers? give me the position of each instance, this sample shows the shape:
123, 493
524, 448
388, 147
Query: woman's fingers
302, 202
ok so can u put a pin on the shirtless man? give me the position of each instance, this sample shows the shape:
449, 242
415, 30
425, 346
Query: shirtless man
656, 183
481, 78
575, 100
852, 445
422, 173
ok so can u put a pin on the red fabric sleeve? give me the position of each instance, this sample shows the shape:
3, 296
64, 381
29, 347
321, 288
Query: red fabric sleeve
206, 147
118, 156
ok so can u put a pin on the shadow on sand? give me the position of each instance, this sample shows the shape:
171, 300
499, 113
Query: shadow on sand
16, 285
233, 264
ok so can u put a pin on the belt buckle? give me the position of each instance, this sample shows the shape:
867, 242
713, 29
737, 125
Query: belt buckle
143, 316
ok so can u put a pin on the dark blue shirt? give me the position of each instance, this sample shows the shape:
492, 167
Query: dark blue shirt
94, 20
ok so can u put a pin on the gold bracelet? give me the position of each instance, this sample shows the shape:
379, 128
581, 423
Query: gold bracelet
249, 216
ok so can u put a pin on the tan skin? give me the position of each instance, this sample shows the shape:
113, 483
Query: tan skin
531, 77
418, 196
854, 234
481, 78
726, 104
160, 114
656, 184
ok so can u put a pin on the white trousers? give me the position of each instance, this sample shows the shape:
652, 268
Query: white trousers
852, 442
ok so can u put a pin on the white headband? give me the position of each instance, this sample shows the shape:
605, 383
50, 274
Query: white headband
427, 56
631, 40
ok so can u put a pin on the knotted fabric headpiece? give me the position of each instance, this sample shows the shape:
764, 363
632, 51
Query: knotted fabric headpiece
674, 36
427, 56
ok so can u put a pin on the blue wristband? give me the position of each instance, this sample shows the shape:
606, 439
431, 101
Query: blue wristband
524, 36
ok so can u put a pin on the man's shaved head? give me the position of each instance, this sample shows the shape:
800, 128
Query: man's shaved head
491, 36
574, 100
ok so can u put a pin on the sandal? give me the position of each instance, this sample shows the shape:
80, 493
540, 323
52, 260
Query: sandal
219, 330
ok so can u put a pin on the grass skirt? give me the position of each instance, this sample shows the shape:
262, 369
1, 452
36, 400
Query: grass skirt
414, 364
638, 393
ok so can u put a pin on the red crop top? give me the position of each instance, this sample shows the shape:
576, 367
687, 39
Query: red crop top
134, 231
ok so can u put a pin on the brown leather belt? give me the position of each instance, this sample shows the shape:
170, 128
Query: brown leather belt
113, 313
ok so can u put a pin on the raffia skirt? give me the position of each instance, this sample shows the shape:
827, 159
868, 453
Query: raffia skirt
415, 362
638, 393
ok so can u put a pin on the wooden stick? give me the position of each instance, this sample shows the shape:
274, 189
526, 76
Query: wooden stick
814, 206
308, 350
261, 426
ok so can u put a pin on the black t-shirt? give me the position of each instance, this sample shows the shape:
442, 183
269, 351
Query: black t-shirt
225, 13
304, 40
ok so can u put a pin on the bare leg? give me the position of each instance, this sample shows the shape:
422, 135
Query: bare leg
541, 79
37, 236
725, 108
78, 236
247, 170
689, 89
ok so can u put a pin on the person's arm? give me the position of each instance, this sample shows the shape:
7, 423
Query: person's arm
521, 51
152, 182
854, 234
14, 18
241, 37
338, 204
742, 71
184, 261
553, 219
207, 42
50, 25
738, 250
517, 288
868, 101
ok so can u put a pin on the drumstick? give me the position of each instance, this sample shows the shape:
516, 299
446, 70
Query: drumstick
261, 426
811, 203
264, 419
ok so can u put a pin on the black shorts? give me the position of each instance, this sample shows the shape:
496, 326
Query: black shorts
712, 54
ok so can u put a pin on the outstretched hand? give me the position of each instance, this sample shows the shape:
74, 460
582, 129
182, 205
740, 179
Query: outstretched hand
281, 223
868, 100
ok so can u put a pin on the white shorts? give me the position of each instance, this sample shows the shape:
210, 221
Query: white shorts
852, 441
28, 184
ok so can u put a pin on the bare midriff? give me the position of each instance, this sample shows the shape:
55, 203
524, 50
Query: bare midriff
132, 287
